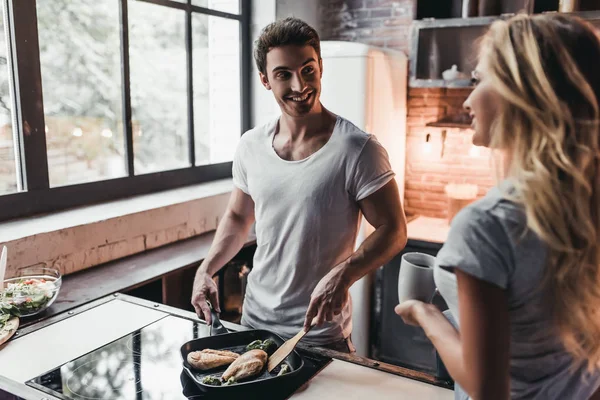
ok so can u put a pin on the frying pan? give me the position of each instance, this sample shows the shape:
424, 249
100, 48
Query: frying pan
221, 339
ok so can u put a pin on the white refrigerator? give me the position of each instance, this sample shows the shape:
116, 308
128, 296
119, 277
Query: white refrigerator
367, 85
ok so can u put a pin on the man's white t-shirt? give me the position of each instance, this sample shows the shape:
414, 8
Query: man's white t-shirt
307, 219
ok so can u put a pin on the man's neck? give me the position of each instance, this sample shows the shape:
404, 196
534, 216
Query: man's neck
299, 128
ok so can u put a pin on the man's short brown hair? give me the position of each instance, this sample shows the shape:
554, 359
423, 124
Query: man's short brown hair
288, 31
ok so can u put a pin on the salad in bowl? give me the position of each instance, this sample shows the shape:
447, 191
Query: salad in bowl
32, 291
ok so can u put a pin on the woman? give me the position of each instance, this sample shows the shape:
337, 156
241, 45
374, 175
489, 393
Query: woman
520, 270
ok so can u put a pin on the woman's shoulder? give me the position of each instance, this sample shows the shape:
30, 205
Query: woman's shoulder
496, 207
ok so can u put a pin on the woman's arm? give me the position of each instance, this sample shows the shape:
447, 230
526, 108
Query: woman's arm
478, 357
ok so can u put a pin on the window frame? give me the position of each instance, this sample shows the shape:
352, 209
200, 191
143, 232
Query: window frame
29, 120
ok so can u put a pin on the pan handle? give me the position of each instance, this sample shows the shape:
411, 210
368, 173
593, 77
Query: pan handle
216, 327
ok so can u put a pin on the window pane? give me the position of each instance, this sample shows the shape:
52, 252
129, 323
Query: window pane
8, 166
229, 6
81, 84
158, 87
217, 98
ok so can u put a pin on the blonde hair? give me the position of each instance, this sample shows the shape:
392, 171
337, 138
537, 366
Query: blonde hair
545, 68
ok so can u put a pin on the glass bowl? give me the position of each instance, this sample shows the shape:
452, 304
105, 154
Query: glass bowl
30, 291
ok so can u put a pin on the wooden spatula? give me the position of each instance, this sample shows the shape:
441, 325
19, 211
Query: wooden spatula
285, 350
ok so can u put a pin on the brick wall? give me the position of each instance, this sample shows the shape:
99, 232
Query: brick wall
453, 160
376, 22
387, 24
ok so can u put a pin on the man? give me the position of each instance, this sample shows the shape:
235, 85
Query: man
305, 178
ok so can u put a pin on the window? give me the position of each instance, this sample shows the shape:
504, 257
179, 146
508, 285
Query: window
113, 98
158, 106
81, 84
8, 165
216, 87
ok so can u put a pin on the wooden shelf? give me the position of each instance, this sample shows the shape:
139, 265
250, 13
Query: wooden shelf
425, 83
461, 121
449, 125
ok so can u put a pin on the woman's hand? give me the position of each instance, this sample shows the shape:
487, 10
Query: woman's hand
412, 310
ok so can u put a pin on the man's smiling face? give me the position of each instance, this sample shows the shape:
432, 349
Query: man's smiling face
294, 75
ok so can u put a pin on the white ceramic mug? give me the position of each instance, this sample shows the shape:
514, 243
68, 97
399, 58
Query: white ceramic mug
415, 280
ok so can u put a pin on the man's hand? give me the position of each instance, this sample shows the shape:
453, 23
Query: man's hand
329, 297
205, 289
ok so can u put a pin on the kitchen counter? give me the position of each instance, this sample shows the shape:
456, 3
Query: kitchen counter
428, 229
345, 380
48, 344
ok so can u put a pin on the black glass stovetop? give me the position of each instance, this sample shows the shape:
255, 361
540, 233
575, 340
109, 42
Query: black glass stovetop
146, 365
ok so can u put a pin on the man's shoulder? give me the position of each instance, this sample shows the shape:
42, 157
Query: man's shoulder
352, 136
259, 133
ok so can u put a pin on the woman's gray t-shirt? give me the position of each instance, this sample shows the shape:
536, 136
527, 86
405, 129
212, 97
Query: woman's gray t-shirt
489, 240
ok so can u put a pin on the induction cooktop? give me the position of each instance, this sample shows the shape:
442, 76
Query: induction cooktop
146, 365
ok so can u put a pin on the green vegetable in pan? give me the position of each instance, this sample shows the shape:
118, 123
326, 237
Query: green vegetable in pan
269, 346
285, 368
211, 380
256, 345
230, 381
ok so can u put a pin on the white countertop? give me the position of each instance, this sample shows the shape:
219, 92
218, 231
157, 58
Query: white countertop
428, 229
24, 358
344, 380
42, 350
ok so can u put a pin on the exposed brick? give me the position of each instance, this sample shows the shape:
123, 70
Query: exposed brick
403, 11
458, 92
391, 31
426, 205
417, 102
360, 14
385, 3
413, 194
354, 4
415, 120
380, 13
433, 187
403, 21
428, 196
428, 168
329, 4
369, 23
425, 111
420, 92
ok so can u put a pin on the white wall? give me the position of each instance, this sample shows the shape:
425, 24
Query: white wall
264, 107
306, 10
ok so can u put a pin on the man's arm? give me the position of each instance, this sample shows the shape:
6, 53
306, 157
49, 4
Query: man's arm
384, 212
229, 239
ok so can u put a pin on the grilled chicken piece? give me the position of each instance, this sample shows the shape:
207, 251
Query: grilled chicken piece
248, 364
209, 358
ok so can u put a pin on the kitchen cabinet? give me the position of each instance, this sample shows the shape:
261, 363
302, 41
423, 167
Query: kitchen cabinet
393, 341
438, 44
478, 8
471, 8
